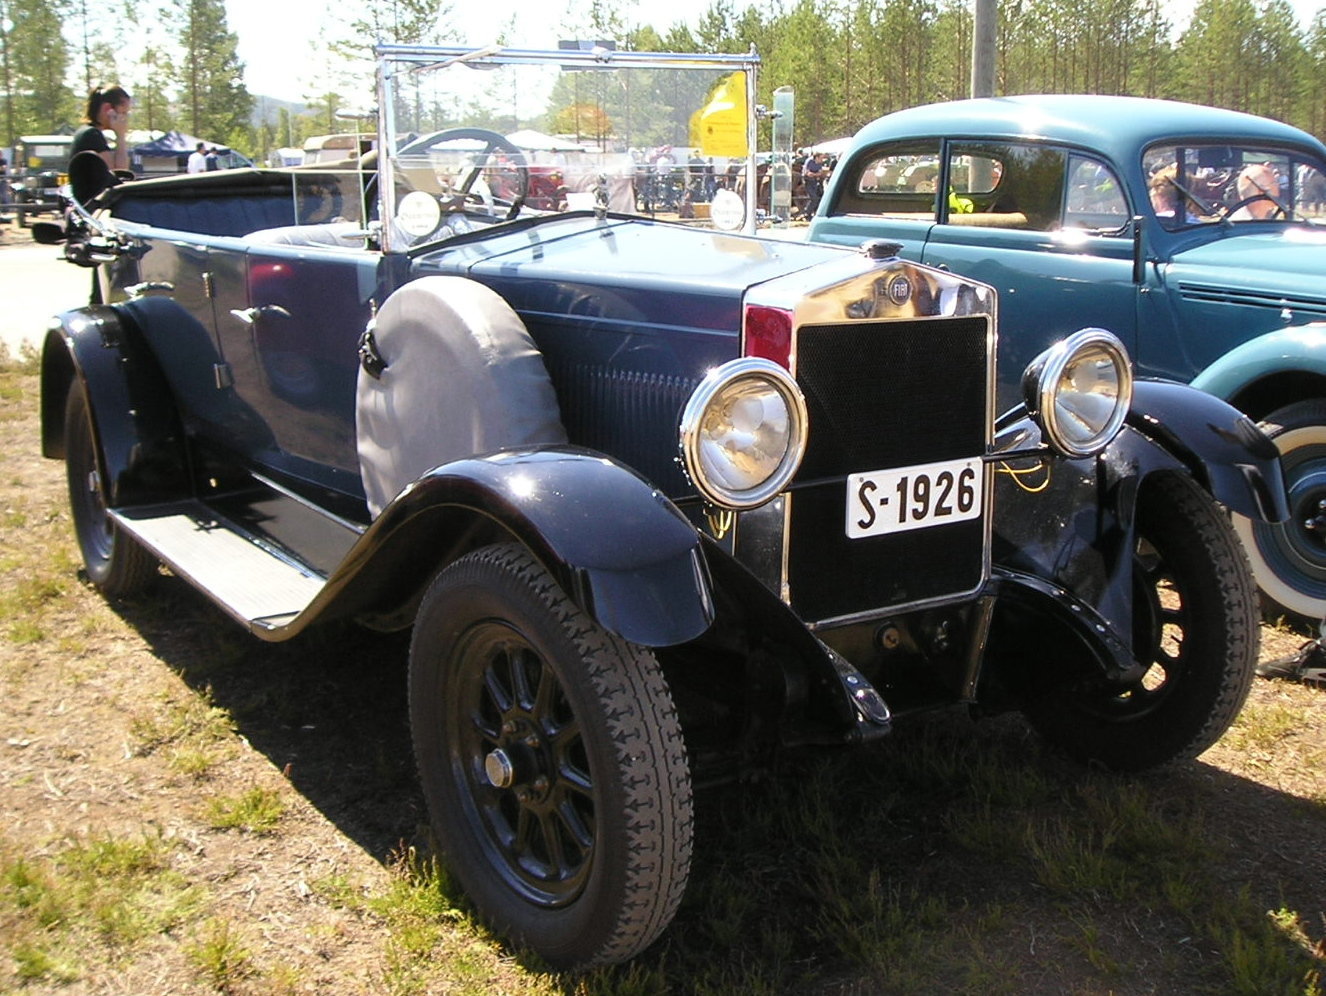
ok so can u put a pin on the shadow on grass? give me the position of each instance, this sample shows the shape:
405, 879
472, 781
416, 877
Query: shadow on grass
953, 857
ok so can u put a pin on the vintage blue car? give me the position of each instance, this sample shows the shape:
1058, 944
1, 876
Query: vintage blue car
1196, 235
658, 501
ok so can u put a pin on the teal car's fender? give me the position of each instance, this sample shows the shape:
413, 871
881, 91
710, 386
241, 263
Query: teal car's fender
1270, 371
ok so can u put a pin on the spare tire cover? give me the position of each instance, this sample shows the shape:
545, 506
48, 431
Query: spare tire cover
463, 377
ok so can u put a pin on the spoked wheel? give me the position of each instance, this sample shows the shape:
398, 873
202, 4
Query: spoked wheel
1289, 558
552, 760
115, 562
1194, 626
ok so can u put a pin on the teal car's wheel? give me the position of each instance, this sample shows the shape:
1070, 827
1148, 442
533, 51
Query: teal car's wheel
552, 759
1289, 558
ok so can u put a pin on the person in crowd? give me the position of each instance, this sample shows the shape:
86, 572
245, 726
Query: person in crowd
197, 159
813, 175
107, 110
1166, 195
210, 161
1307, 664
1258, 182
6, 194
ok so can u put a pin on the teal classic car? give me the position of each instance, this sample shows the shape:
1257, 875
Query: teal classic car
1197, 235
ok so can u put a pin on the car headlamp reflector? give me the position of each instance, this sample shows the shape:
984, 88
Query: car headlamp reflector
1080, 389
743, 433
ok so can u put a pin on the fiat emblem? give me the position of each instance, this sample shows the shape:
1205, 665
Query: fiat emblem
898, 289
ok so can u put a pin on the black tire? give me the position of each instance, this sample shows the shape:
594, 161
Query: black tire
1194, 623
552, 760
115, 562
1289, 558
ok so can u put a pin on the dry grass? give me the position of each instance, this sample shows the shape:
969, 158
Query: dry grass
187, 810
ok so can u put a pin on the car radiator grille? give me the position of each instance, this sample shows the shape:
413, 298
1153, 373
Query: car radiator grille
882, 395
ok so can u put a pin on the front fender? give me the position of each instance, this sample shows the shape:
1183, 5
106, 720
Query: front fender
1298, 352
1220, 446
618, 547
1073, 522
139, 440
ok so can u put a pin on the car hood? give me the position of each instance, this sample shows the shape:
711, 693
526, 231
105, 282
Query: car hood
1289, 263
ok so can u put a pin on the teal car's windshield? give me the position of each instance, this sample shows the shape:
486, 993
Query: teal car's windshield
1207, 184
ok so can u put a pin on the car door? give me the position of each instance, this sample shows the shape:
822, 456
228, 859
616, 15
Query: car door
289, 320
1048, 228
170, 284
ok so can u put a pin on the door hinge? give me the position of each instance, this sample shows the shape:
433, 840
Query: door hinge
207, 284
224, 377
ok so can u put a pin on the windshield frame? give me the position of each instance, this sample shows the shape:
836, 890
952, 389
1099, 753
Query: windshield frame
394, 59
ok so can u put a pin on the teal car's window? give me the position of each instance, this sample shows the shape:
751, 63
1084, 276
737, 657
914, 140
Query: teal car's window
1095, 200
896, 181
1005, 185
1207, 184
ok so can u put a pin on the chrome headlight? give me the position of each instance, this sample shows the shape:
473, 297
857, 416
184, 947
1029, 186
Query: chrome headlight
1079, 390
743, 433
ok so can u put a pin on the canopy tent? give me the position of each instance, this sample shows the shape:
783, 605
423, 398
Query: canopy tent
174, 143
833, 147
170, 154
537, 141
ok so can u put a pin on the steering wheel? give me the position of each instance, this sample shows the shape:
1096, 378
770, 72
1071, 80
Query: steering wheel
1259, 196
516, 174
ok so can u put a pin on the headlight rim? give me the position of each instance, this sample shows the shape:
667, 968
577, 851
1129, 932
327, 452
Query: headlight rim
719, 379
1046, 372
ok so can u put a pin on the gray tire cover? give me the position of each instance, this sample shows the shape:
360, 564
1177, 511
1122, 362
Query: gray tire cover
463, 377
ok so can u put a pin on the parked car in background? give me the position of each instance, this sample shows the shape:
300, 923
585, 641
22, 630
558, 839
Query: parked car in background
1195, 234
657, 501
39, 170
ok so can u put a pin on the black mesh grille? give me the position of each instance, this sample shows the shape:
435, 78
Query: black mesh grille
884, 395
892, 394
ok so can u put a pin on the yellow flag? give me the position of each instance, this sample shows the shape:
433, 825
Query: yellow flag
719, 128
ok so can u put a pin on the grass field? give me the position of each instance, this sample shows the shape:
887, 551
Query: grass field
187, 810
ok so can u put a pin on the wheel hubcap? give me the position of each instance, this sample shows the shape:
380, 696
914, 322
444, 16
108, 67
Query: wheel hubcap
522, 767
499, 769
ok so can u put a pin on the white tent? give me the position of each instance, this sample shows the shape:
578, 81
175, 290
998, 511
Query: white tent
833, 147
537, 141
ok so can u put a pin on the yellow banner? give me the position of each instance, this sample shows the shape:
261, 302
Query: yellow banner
719, 128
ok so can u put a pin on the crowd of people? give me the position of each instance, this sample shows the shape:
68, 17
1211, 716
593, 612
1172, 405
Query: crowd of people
667, 182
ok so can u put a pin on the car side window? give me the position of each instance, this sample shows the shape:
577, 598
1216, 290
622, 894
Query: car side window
894, 181
1095, 199
1005, 185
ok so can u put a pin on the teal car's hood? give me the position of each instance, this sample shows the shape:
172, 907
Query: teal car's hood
1266, 262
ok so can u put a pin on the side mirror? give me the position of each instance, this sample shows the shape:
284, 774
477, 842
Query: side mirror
48, 233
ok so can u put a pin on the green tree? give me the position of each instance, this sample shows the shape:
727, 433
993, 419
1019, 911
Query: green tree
153, 108
38, 58
213, 99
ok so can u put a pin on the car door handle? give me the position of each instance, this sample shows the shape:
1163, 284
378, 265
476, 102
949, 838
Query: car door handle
135, 291
250, 316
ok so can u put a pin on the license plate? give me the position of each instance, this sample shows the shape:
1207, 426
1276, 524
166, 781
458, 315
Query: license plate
905, 498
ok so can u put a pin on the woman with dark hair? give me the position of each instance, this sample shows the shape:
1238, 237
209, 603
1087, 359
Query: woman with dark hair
106, 109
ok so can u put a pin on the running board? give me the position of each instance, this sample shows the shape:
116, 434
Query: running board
254, 581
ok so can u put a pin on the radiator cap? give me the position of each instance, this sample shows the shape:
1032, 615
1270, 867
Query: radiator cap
881, 249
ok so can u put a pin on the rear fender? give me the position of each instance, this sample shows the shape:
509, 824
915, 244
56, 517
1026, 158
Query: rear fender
619, 548
135, 422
